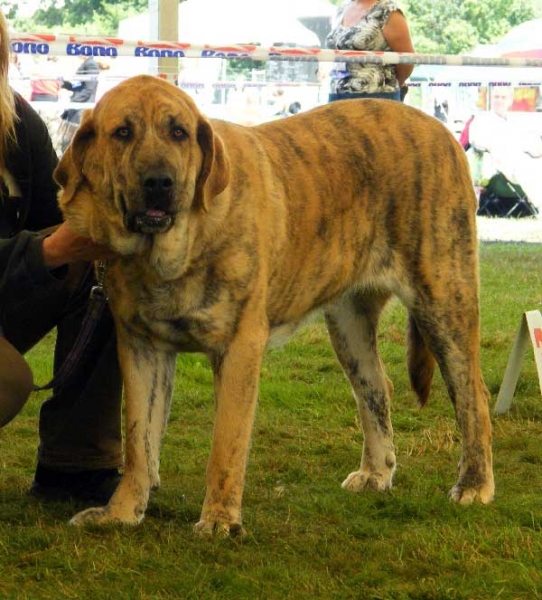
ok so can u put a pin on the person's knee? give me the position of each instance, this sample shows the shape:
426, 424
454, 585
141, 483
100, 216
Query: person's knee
16, 382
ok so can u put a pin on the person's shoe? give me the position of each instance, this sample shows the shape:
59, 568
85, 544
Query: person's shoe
93, 486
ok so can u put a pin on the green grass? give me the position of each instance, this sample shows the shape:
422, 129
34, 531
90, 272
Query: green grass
307, 538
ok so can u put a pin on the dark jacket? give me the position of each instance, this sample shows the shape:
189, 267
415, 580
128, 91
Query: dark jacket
31, 162
84, 90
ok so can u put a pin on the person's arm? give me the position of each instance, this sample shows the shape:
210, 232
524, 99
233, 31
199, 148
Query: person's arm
68, 85
33, 162
64, 246
31, 263
397, 34
21, 266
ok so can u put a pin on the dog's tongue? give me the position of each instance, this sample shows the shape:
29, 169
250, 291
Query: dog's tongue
154, 212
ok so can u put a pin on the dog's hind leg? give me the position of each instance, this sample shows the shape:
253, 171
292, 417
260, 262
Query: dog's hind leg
352, 324
148, 374
452, 334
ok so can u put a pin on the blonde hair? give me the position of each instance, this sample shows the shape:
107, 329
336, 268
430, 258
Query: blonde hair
8, 116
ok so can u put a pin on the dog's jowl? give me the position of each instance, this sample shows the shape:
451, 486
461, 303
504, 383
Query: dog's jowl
229, 234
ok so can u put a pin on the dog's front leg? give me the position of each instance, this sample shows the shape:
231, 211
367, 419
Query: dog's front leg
148, 374
236, 374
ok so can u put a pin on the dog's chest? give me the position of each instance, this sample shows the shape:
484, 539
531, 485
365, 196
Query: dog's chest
183, 315
180, 333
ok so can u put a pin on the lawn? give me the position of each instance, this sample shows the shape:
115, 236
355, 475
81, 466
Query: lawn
308, 538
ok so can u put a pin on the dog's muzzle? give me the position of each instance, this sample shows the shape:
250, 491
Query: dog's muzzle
150, 222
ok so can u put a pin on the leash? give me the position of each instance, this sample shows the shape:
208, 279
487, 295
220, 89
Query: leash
97, 302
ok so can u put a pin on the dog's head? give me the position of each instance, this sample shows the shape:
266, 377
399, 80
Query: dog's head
140, 164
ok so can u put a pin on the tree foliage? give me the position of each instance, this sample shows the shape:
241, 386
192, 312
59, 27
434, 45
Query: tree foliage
88, 16
437, 26
457, 26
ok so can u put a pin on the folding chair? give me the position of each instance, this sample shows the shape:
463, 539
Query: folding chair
501, 198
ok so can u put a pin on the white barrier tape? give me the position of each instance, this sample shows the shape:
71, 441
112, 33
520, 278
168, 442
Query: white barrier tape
516, 82
61, 106
265, 84
77, 45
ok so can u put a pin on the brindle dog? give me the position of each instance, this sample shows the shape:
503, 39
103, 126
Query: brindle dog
229, 235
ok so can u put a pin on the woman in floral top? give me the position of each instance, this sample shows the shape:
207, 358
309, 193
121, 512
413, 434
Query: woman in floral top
369, 25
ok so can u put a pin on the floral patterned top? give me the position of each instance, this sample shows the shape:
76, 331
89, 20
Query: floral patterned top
366, 34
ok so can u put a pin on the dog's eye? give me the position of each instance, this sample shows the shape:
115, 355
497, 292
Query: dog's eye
178, 133
122, 133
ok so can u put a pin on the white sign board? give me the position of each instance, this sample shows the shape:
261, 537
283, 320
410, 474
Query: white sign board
530, 330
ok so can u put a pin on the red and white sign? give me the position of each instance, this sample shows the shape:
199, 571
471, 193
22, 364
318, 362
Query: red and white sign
530, 330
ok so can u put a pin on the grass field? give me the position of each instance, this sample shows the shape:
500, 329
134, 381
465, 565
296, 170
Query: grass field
307, 538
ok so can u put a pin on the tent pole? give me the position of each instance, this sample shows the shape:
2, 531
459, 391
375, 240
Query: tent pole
164, 20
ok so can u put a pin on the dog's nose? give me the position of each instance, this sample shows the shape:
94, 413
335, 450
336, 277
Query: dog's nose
158, 184
158, 189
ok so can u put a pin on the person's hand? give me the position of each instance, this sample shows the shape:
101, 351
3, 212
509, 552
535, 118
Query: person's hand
534, 147
64, 246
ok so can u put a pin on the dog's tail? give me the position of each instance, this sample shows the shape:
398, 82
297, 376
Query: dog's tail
421, 362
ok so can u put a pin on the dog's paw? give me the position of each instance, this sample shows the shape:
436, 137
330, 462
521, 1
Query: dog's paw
103, 515
219, 529
467, 495
364, 480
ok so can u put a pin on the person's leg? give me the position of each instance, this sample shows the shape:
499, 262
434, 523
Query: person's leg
80, 424
69, 125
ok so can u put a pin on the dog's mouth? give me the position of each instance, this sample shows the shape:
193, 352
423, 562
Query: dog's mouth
151, 221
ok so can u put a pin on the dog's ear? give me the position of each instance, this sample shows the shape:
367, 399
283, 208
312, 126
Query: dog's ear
214, 175
69, 172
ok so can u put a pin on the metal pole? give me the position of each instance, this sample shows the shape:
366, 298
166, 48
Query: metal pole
164, 21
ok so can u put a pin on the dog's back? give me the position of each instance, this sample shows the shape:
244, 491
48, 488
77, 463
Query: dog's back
381, 189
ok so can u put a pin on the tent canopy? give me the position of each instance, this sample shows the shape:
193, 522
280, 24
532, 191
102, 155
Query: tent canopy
234, 22
524, 40
496, 74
